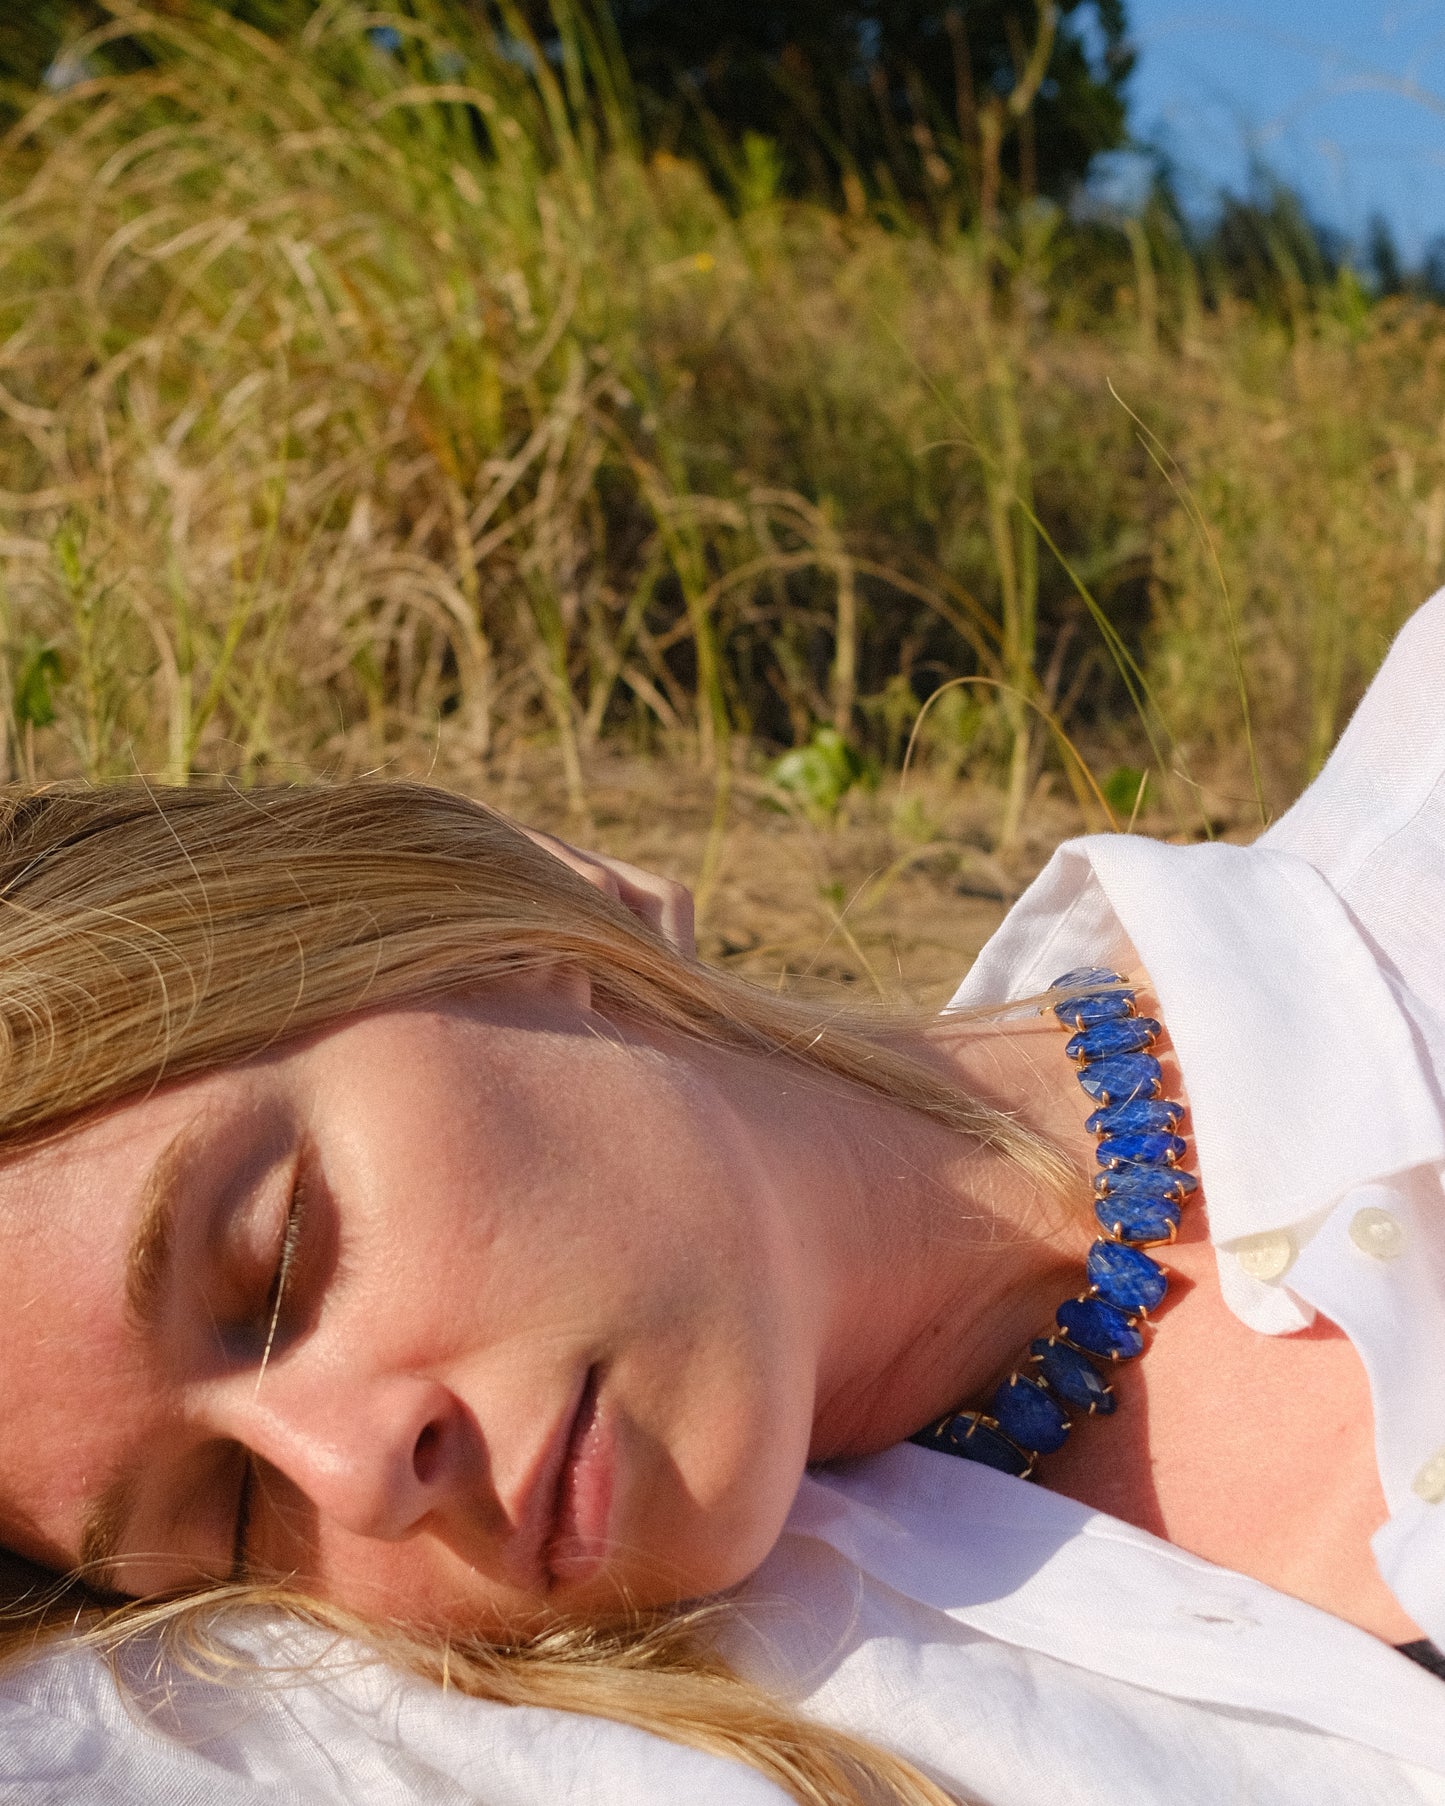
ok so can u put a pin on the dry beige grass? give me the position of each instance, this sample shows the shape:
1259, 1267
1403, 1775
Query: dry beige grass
893, 898
387, 411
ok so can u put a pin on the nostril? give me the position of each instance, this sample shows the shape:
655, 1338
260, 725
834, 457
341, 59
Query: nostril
426, 1456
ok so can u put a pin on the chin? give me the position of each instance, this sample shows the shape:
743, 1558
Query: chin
706, 1554
724, 1549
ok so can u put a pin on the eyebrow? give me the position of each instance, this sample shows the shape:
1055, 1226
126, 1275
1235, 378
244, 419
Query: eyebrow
148, 1258
106, 1517
146, 1282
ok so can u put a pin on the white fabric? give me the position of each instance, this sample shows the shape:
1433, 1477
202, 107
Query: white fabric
345, 1735
1022, 1648
1017, 1645
1303, 982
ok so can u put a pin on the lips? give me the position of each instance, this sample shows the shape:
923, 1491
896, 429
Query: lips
578, 1542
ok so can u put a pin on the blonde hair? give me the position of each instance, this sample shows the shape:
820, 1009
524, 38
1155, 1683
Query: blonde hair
148, 934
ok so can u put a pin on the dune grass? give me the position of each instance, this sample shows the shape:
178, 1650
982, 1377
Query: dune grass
369, 400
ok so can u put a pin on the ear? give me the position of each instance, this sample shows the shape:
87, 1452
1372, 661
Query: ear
561, 981
570, 982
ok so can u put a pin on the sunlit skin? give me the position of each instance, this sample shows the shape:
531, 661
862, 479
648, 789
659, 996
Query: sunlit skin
571, 1307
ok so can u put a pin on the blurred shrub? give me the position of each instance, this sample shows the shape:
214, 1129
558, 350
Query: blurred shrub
369, 394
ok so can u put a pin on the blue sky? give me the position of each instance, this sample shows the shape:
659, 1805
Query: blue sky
1345, 98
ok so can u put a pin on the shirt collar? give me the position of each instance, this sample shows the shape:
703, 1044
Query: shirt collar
1041, 1571
1303, 1076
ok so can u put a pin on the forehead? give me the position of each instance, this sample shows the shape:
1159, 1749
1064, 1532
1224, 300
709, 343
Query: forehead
65, 1208
76, 1392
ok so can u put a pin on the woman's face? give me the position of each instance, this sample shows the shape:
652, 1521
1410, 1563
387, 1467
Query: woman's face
470, 1313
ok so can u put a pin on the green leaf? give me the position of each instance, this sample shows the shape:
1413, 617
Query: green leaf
35, 685
1121, 789
822, 773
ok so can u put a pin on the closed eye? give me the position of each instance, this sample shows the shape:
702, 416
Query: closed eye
275, 1300
276, 1297
239, 1560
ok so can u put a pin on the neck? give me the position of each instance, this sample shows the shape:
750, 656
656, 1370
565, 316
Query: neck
930, 1259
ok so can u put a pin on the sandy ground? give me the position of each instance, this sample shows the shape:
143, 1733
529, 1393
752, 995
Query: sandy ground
894, 896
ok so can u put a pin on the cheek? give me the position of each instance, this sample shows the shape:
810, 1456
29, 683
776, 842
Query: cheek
576, 1205
737, 1490
717, 1423
714, 1373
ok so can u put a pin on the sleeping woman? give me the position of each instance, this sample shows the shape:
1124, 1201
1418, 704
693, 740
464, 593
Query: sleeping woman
400, 1226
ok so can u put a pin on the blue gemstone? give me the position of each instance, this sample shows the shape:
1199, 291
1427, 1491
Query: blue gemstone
1073, 1376
1126, 1276
1145, 1115
1102, 1329
1145, 1182
1141, 1150
1138, 1220
1124, 1077
1107, 1006
1026, 1414
1086, 975
968, 1436
1105, 1038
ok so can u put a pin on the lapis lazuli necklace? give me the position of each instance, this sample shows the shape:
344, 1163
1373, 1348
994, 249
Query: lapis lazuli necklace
1138, 1191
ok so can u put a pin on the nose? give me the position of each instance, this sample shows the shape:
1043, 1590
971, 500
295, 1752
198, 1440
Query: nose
376, 1454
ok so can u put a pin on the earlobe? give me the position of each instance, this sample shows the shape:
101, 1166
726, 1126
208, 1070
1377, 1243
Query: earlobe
571, 982
556, 981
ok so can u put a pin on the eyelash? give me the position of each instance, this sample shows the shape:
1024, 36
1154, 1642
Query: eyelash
275, 1298
239, 1563
276, 1295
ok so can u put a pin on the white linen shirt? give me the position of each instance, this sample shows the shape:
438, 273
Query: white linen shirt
1016, 1644
1303, 983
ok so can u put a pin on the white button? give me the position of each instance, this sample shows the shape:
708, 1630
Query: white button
1375, 1231
1265, 1256
1429, 1483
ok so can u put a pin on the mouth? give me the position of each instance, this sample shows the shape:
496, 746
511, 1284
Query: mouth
577, 1543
